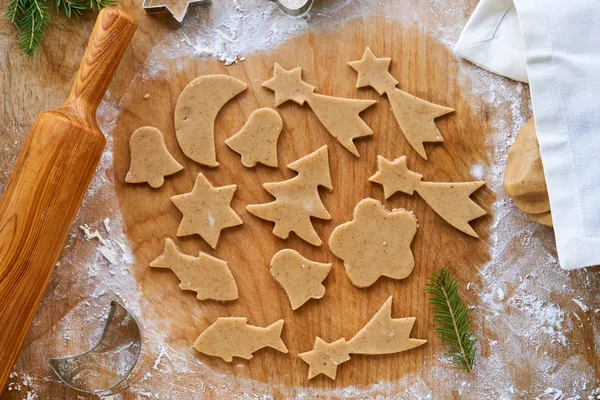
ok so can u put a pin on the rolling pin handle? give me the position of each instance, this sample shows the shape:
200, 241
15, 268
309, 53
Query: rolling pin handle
108, 41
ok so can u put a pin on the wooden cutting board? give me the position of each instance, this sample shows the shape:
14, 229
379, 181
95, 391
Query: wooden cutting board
423, 68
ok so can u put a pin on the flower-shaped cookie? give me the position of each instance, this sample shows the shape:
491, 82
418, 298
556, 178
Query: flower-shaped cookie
375, 243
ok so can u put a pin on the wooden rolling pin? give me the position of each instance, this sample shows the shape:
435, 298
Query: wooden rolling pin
48, 183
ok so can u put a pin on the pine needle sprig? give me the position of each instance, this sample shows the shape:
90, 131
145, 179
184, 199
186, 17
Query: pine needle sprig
31, 22
30, 17
450, 319
71, 7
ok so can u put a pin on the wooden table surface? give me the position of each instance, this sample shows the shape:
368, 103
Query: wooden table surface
171, 319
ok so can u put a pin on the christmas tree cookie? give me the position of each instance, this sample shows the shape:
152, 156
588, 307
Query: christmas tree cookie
297, 199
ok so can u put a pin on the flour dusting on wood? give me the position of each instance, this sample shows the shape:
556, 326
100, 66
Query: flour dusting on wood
515, 298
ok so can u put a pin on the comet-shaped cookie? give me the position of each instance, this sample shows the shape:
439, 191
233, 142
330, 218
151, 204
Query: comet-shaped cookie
300, 277
256, 142
449, 200
150, 159
381, 335
206, 275
340, 116
195, 113
232, 337
414, 115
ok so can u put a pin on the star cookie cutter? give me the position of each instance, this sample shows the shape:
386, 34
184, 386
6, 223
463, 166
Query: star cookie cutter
179, 15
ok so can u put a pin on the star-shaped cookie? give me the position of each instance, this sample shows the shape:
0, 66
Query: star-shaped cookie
373, 71
206, 210
288, 85
325, 357
395, 176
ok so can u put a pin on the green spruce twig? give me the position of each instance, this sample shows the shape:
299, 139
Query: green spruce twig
31, 16
450, 318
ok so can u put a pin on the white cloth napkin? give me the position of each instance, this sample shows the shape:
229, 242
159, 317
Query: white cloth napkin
555, 45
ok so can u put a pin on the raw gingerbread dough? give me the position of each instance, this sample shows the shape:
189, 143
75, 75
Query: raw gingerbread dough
375, 243
257, 140
381, 335
297, 199
524, 178
150, 159
340, 116
233, 337
196, 111
414, 115
206, 210
451, 201
300, 277
206, 275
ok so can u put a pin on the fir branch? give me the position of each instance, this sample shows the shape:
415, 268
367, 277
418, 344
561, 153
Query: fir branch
31, 16
450, 318
70, 7
31, 24
14, 11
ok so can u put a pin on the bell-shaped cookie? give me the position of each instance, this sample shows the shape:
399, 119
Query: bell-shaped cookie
150, 159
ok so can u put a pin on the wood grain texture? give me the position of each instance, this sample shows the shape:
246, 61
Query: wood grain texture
48, 183
421, 64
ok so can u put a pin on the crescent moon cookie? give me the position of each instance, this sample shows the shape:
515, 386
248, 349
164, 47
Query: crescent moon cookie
196, 111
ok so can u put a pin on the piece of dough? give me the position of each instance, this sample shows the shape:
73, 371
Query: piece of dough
450, 200
524, 178
297, 199
150, 159
414, 115
375, 243
300, 277
206, 210
256, 142
381, 335
233, 337
206, 275
195, 113
340, 116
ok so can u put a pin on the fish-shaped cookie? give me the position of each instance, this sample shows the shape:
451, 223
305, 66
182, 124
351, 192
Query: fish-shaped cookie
206, 275
232, 337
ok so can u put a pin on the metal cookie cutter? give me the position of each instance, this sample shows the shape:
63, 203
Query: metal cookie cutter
110, 362
177, 13
295, 8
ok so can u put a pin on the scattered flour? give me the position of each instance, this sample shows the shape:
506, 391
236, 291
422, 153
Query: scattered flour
515, 298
